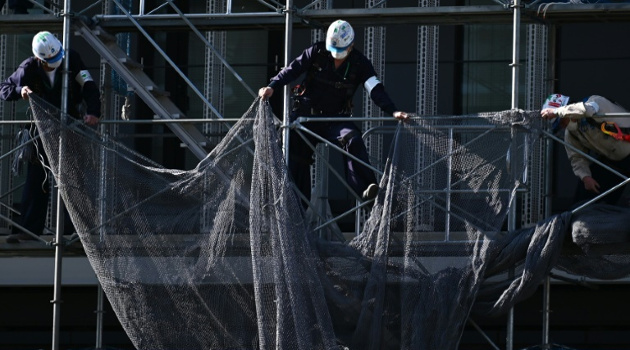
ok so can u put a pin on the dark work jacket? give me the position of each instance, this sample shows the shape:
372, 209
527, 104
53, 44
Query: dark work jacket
320, 92
31, 73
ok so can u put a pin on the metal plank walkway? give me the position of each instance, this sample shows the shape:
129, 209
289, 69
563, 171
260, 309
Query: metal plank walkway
131, 71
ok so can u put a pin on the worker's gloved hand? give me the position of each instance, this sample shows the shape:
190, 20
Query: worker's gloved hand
401, 115
590, 184
25, 91
548, 113
90, 119
265, 92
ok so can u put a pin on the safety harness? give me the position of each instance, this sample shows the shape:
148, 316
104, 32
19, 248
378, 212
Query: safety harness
348, 83
619, 134
47, 90
610, 128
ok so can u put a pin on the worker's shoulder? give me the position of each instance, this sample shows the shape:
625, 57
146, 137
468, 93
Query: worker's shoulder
607, 105
357, 58
28, 62
317, 48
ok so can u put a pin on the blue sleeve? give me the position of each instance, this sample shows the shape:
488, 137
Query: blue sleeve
90, 91
11, 88
378, 93
295, 69
382, 100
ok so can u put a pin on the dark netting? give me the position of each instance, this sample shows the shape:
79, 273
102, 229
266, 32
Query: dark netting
222, 256
423, 278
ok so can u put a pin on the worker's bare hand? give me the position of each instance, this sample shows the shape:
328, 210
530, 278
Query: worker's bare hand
548, 113
90, 119
401, 115
590, 184
25, 91
265, 92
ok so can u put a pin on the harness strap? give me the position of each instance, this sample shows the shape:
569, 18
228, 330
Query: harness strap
618, 135
608, 128
335, 84
343, 140
349, 83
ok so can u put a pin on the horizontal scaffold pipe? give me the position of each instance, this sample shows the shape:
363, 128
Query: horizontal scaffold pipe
448, 15
612, 115
139, 121
557, 13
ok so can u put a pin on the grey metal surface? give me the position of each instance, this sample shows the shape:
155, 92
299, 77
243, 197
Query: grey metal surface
443, 15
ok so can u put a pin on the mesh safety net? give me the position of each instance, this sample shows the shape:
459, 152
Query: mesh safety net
223, 257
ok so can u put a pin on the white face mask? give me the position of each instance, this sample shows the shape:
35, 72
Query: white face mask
340, 55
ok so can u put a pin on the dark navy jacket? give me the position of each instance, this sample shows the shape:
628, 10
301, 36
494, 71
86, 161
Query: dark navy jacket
320, 92
31, 73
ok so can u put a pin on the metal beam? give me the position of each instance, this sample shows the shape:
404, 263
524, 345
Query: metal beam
30, 24
558, 13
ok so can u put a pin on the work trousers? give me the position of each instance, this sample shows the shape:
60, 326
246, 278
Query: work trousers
35, 197
344, 134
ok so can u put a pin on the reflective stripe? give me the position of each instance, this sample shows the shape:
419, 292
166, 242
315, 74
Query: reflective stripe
83, 77
370, 84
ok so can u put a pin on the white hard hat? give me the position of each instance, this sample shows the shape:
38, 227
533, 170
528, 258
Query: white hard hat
554, 101
48, 48
339, 37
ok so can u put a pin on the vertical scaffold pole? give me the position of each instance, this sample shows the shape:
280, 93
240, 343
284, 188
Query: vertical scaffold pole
551, 64
99, 316
288, 34
59, 243
516, 41
515, 81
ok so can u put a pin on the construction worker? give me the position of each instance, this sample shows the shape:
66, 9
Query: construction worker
607, 143
333, 70
41, 75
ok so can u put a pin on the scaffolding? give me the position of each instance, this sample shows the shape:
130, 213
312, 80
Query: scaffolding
111, 33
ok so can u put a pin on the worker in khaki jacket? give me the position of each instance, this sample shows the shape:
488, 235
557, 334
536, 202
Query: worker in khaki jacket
607, 140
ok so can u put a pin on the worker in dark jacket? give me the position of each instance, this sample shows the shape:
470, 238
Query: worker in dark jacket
333, 70
42, 75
